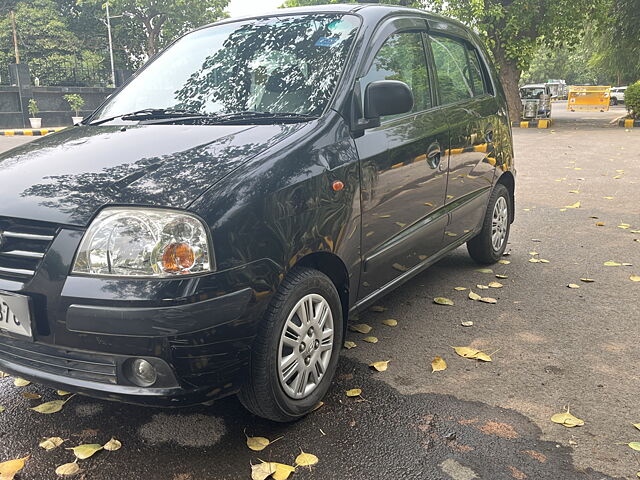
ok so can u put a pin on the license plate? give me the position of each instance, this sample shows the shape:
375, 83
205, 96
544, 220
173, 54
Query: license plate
15, 316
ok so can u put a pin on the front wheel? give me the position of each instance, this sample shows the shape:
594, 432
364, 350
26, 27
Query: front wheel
296, 350
488, 246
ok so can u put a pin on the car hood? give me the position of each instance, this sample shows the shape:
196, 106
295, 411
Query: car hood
67, 177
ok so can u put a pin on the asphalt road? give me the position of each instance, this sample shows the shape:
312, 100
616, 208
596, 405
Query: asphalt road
556, 346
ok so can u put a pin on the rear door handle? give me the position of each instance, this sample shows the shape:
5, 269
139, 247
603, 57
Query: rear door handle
434, 155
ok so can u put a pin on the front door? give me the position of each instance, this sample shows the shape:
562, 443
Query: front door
403, 170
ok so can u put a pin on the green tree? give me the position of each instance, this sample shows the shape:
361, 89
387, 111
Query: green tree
146, 26
42, 31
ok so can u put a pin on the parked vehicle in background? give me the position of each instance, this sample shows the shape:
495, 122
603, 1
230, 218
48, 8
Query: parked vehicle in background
211, 227
557, 88
536, 101
617, 95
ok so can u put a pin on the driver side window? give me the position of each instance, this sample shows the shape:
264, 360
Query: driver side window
402, 57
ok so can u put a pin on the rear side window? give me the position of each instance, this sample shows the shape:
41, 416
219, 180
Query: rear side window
478, 78
450, 57
402, 57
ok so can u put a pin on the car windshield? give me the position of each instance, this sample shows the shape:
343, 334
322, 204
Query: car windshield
532, 92
288, 64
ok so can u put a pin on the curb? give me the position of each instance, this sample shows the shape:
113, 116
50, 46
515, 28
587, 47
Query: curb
29, 132
628, 122
543, 123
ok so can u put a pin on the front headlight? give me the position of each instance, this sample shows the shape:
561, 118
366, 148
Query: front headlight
144, 242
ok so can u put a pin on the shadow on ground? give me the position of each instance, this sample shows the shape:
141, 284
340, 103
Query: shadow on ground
383, 435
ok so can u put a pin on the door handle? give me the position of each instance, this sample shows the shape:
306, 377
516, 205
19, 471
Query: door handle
434, 155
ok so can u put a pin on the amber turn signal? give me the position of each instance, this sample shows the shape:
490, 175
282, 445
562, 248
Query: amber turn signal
337, 186
178, 257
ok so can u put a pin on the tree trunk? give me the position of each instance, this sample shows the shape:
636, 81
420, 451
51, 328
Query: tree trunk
509, 76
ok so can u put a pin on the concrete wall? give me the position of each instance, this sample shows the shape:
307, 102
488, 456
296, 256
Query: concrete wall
54, 109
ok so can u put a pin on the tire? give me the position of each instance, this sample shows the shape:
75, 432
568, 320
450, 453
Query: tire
266, 392
481, 247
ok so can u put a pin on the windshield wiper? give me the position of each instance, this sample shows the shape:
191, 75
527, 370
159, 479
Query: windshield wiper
250, 115
152, 114
231, 118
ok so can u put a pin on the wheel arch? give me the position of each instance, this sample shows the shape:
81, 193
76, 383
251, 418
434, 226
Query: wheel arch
508, 180
333, 267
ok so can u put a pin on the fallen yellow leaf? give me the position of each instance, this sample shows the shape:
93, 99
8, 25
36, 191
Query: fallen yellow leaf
349, 345
612, 264
31, 396
484, 270
112, 445
380, 366
460, 289
567, 419
378, 308
48, 408
635, 278
502, 276
9, 468
534, 260
257, 443
51, 443
468, 352
370, 339
504, 262
482, 287
354, 392
474, 296
634, 445
21, 382
306, 459
495, 285
438, 364
390, 322
62, 393
637, 425
68, 469
282, 471
85, 451
587, 280
399, 267
573, 285
360, 328
263, 470
488, 300
599, 224
443, 301
575, 205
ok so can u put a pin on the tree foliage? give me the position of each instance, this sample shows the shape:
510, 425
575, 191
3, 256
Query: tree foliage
144, 27
632, 99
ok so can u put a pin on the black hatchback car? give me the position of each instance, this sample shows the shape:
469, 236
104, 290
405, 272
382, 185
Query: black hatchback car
211, 227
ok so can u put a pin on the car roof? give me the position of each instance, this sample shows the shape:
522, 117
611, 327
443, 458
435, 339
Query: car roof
369, 11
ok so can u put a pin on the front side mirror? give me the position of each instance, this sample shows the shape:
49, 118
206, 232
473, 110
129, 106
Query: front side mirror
387, 97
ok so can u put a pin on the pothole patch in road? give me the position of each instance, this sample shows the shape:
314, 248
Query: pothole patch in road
194, 430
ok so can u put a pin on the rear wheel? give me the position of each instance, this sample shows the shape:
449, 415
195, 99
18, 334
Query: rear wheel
489, 245
296, 351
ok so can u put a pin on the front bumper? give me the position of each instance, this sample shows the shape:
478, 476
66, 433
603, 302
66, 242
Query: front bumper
197, 331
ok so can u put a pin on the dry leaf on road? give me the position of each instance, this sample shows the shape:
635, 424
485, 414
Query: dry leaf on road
443, 301
567, 419
438, 364
380, 366
360, 328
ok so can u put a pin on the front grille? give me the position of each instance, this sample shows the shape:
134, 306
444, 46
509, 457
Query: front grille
23, 244
60, 361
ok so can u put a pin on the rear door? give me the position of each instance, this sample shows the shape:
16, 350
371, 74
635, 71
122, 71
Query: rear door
465, 95
403, 166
